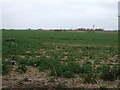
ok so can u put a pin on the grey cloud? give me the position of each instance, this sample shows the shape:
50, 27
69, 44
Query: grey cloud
60, 15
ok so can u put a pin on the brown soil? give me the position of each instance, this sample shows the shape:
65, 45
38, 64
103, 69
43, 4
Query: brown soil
37, 79
88, 45
21, 56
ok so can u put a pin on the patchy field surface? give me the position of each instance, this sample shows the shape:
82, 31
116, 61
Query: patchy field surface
60, 59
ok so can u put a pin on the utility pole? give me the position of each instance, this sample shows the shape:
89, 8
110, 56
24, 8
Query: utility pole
119, 16
93, 27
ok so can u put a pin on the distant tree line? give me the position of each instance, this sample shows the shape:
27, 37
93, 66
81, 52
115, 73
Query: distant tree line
79, 29
88, 29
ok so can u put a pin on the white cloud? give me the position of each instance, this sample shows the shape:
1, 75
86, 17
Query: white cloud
60, 14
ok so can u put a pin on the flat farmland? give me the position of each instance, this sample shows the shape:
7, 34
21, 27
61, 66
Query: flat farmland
60, 59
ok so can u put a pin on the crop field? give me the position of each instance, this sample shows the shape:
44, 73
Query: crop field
60, 59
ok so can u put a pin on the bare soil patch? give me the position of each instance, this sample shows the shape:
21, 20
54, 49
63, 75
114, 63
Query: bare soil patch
37, 79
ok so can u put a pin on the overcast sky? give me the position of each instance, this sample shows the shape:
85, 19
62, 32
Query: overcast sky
60, 14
